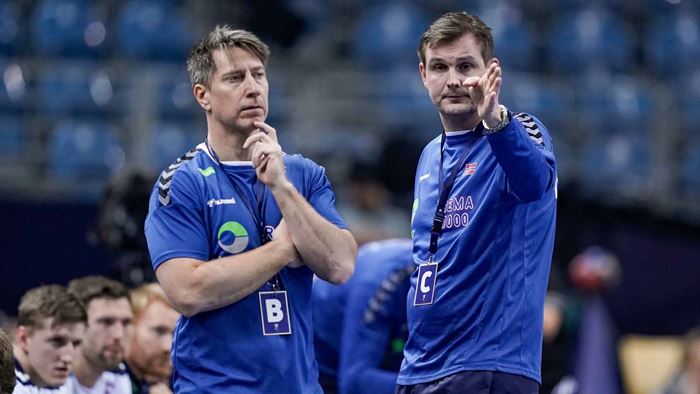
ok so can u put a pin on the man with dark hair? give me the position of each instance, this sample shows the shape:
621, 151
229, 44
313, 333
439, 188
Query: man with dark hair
50, 327
98, 365
7, 365
236, 230
483, 226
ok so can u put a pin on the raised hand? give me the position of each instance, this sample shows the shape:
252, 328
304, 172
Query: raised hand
266, 155
484, 92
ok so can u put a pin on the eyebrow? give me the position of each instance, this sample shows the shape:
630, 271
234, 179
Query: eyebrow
242, 71
458, 60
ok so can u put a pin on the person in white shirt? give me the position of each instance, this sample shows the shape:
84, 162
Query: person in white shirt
99, 367
50, 327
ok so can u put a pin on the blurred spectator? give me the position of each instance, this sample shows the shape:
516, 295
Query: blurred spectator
148, 354
360, 327
558, 334
687, 381
99, 364
50, 327
7, 365
121, 213
367, 209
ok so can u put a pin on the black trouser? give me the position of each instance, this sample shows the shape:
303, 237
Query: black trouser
474, 382
328, 383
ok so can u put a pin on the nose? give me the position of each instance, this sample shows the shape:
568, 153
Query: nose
166, 342
68, 353
252, 86
453, 81
119, 332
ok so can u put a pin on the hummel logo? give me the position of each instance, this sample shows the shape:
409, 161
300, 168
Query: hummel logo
218, 202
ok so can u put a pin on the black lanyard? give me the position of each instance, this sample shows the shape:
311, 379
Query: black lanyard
444, 189
258, 215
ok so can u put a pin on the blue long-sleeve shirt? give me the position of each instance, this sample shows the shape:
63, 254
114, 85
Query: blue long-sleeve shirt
360, 327
493, 255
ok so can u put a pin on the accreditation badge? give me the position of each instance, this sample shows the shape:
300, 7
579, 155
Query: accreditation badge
274, 312
425, 286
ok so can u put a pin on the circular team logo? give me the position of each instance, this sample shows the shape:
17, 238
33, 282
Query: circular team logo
233, 237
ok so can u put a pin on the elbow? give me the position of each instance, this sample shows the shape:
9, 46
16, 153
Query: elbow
342, 272
535, 191
186, 301
343, 263
184, 305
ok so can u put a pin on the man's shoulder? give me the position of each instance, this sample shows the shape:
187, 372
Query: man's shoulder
24, 385
185, 168
299, 161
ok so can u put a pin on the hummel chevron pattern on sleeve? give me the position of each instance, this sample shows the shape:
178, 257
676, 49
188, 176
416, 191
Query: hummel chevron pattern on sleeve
530, 126
166, 177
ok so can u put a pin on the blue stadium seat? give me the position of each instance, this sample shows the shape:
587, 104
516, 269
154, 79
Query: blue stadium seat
12, 137
550, 101
175, 96
616, 164
404, 101
621, 101
512, 35
686, 91
68, 28
171, 139
85, 150
13, 86
589, 37
152, 30
388, 35
11, 29
673, 43
690, 170
77, 88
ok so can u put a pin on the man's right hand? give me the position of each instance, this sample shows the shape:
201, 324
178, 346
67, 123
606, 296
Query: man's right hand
281, 234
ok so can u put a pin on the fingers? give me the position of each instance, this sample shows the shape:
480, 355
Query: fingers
262, 151
471, 82
256, 137
267, 129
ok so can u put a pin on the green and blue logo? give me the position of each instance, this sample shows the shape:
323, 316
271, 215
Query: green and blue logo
232, 237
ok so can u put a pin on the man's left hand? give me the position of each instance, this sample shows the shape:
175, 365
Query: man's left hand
484, 92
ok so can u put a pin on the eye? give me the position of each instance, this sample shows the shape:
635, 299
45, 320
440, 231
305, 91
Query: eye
439, 67
160, 331
58, 343
259, 74
465, 66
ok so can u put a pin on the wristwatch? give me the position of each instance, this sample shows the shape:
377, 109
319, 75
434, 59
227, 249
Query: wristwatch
505, 120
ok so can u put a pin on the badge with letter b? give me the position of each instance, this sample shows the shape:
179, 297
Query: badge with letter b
274, 312
425, 287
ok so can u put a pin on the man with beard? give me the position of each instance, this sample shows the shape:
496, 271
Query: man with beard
7, 365
98, 365
148, 354
50, 327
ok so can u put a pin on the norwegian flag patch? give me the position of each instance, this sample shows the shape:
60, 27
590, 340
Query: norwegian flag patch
470, 168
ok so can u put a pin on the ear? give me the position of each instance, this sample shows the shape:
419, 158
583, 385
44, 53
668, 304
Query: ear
22, 334
495, 60
421, 69
201, 94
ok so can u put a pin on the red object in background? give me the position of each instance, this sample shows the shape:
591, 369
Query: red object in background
595, 269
